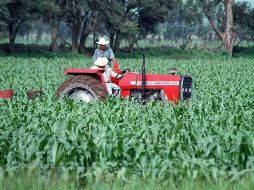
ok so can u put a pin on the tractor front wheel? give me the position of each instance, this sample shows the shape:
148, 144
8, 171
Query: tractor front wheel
82, 87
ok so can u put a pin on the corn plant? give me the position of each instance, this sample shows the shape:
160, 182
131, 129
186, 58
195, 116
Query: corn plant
121, 139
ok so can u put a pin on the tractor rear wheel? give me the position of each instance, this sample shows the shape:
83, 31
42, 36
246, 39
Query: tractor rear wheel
82, 87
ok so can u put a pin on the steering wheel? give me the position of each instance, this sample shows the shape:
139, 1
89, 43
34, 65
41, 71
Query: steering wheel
118, 76
125, 71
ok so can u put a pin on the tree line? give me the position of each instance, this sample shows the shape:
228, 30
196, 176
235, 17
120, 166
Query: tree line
129, 20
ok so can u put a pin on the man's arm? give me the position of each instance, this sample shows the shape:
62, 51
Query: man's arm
94, 67
112, 56
114, 61
112, 73
95, 55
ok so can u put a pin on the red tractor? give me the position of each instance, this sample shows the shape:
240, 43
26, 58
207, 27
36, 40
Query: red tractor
88, 84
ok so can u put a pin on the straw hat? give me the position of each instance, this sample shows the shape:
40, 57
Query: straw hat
102, 41
101, 61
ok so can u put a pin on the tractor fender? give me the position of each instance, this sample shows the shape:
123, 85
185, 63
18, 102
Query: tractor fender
83, 71
95, 73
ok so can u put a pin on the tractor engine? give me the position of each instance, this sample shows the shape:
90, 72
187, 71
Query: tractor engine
150, 95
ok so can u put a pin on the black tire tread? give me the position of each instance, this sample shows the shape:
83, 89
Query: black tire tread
95, 84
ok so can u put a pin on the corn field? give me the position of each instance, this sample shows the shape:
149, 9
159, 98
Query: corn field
213, 138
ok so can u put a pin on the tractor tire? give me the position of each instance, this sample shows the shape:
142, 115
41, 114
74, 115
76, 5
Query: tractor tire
82, 87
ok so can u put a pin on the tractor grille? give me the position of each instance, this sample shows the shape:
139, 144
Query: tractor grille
186, 87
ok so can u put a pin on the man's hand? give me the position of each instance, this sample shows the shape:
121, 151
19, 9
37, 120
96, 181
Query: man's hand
114, 61
119, 76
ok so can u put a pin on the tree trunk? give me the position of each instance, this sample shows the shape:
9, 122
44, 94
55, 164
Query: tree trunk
12, 37
54, 31
117, 43
229, 35
112, 39
94, 40
132, 41
74, 38
39, 35
130, 48
76, 25
82, 42
88, 27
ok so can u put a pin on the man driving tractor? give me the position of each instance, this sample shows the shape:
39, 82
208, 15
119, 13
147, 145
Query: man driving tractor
99, 81
102, 63
104, 51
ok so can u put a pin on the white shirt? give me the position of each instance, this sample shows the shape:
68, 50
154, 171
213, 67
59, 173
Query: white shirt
107, 73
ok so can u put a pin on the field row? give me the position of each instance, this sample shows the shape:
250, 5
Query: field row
120, 138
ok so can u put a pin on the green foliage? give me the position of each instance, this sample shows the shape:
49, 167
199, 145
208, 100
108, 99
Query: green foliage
244, 15
15, 16
51, 11
119, 139
133, 19
16, 12
154, 12
3, 31
24, 182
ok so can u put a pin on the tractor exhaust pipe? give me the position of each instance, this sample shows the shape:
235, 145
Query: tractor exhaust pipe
143, 78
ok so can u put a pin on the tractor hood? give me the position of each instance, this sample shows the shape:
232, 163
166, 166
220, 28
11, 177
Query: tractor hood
169, 84
153, 81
